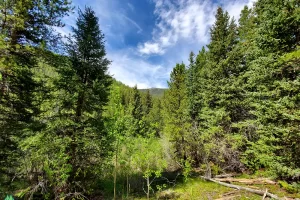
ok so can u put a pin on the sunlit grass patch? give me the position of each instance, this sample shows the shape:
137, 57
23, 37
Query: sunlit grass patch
201, 189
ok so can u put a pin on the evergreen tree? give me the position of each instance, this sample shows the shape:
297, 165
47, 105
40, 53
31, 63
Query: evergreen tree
246, 23
222, 36
155, 116
31, 21
219, 95
272, 90
192, 75
137, 111
75, 132
281, 34
196, 80
23, 26
91, 87
147, 103
175, 111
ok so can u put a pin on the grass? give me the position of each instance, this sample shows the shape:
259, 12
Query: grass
274, 189
198, 189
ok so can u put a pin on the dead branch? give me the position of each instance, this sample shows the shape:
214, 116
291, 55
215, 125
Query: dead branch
225, 175
229, 197
265, 194
247, 181
259, 192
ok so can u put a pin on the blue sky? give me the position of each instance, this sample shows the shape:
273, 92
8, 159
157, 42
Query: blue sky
146, 38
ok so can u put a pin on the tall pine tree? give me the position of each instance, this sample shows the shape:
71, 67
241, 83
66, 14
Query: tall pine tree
175, 111
75, 140
25, 26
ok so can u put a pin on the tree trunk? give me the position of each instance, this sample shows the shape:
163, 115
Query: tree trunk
127, 185
115, 171
148, 187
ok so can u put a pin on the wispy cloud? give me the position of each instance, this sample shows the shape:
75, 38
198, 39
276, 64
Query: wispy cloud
179, 20
133, 23
185, 20
130, 6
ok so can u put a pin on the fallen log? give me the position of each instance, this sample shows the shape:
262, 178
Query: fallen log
247, 181
225, 175
259, 192
228, 197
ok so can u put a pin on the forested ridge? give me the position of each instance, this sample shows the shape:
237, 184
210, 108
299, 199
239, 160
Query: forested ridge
69, 130
155, 92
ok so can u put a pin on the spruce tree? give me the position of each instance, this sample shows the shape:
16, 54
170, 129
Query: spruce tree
91, 83
219, 33
272, 80
137, 111
192, 75
219, 94
25, 27
155, 116
281, 34
147, 102
75, 140
246, 23
175, 111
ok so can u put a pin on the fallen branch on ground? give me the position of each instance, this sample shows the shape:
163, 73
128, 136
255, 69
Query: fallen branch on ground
228, 197
259, 192
265, 194
225, 175
247, 181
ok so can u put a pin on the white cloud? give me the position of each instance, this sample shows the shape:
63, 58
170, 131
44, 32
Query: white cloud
132, 70
186, 20
181, 26
234, 7
150, 48
179, 20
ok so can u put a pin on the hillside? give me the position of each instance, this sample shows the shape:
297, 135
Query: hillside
156, 92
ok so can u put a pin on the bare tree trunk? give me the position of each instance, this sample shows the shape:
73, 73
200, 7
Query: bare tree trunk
208, 170
247, 181
148, 187
127, 185
115, 171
